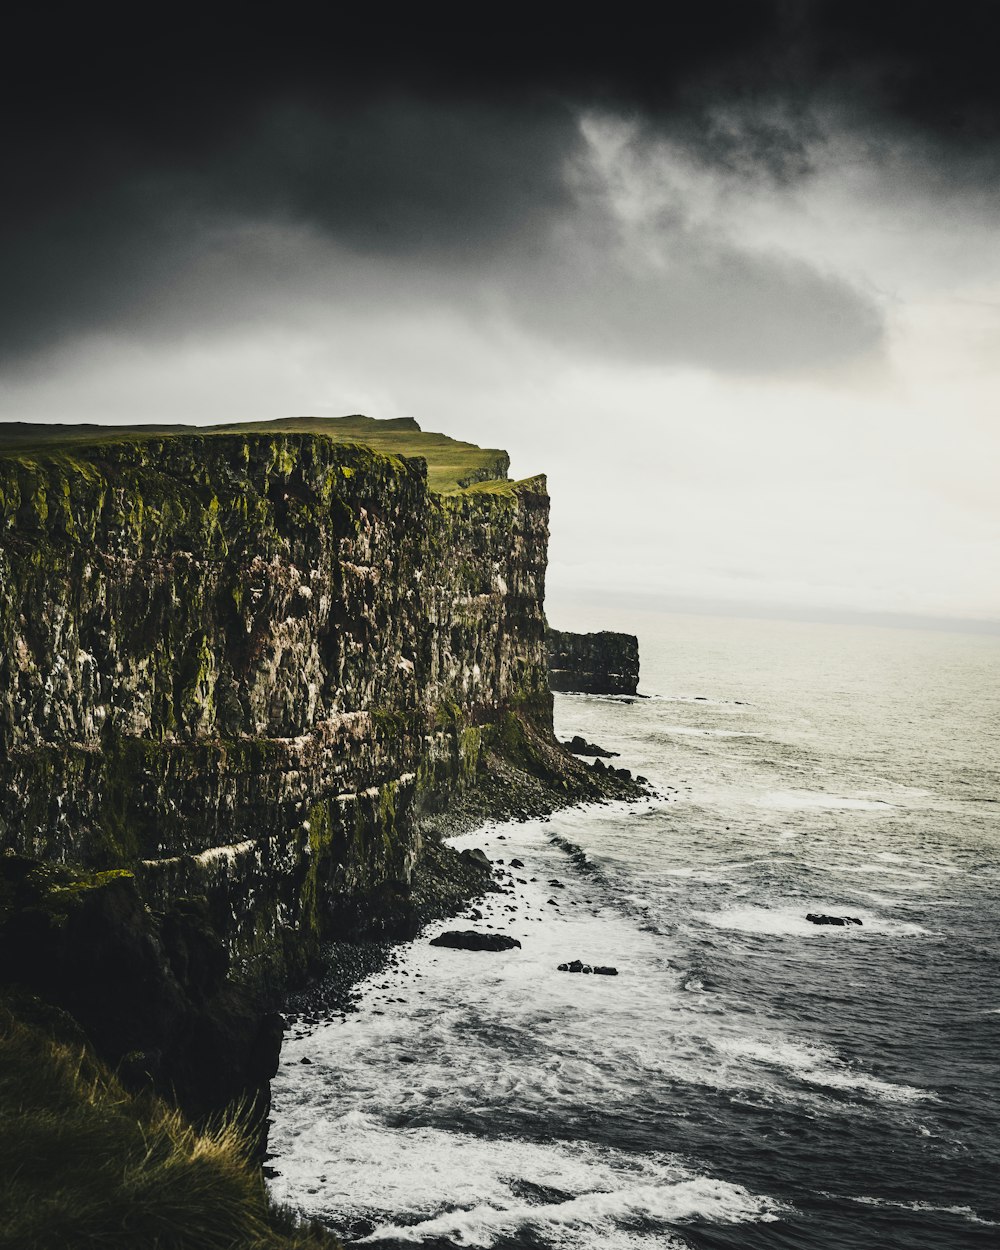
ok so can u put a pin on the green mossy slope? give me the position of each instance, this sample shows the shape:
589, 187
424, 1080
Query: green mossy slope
451, 463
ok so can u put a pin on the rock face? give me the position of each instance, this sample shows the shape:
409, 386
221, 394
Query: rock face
150, 991
601, 663
241, 668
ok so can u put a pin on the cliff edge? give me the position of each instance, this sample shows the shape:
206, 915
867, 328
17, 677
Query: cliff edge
242, 671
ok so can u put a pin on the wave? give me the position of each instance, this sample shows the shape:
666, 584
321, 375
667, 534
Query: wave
424, 1184
790, 921
965, 1213
805, 800
817, 1065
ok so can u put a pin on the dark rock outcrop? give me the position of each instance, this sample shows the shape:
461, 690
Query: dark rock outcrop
600, 970
580, 746
151, 991
819, 918
601, 663
471, 940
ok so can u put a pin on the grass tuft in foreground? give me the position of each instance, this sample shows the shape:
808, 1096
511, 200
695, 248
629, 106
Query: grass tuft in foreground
85, 1163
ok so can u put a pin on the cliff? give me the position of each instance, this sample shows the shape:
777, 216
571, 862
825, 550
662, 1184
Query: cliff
240, 671
601, 663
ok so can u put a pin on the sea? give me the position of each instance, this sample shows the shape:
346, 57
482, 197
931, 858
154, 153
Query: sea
749, 1079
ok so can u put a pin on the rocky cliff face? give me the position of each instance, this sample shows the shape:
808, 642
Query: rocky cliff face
239, 667
601, 663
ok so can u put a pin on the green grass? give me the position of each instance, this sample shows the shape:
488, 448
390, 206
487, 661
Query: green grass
451, 464
83, 1163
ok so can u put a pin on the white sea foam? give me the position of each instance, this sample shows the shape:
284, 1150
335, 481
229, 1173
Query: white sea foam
910, 861
796, 800
965, 1213
790, 920
818, 1065
476, 1189
479, 1042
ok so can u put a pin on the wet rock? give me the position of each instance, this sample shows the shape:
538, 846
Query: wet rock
516, 863
575, 965
580, 746
819, 918
473, 855
606, 971
470, 940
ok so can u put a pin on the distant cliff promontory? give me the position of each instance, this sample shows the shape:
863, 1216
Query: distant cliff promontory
601, 663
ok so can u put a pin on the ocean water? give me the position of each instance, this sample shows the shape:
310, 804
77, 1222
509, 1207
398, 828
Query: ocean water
749, 1079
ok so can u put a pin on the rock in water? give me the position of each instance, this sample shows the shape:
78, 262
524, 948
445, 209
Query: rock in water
470, 940
818, 918
580, 746
576, 965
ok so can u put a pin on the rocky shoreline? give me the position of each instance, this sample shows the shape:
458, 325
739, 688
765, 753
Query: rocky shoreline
445, 881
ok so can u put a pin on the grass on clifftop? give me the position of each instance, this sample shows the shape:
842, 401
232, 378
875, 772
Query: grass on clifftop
451, 464
84, 1163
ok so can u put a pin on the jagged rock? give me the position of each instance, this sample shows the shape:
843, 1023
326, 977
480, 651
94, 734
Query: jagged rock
516, 863
601, 663
580, 746
818, 918
474, 855
470, 940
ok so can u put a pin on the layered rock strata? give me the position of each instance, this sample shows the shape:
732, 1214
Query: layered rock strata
239, 672
601, 663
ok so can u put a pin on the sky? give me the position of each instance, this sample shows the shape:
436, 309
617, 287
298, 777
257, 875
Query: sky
731, 279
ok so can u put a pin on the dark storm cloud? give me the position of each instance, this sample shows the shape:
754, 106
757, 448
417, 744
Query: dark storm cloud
134, 154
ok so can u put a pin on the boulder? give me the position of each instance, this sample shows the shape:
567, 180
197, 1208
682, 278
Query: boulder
577, 965
470, 940
473, 855
580, 746
819, 918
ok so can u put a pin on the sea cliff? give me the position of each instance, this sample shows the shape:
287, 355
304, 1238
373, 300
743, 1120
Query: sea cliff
241, 671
